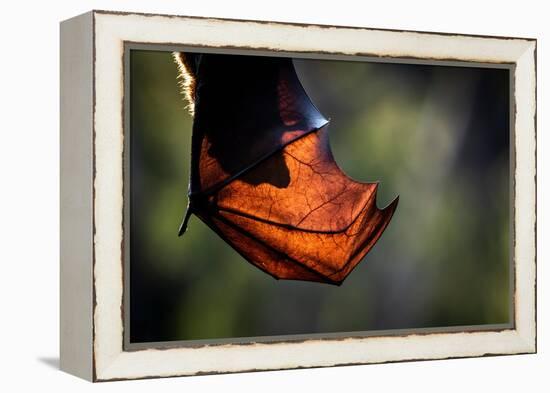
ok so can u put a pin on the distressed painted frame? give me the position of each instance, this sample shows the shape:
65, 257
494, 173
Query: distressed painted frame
92, 194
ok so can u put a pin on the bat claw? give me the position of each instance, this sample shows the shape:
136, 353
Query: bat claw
183, 226
182, 229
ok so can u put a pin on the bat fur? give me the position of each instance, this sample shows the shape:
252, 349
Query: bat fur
187, 77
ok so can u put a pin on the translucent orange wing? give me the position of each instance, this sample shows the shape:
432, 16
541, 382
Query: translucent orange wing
263, 176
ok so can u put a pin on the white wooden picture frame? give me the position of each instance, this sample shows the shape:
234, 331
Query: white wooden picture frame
92, 194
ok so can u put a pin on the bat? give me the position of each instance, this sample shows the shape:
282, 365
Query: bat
263, 176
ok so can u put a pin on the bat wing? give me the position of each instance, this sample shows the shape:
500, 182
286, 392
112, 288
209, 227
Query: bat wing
318, 228
266, 181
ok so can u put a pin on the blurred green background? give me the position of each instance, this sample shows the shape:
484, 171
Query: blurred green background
437, 136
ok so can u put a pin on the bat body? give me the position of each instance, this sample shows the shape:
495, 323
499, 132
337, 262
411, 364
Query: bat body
263, 176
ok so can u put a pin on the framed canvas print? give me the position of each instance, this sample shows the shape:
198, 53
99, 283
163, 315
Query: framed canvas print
244, 195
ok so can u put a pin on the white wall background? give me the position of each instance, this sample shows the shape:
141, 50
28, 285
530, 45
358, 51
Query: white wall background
29, 182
